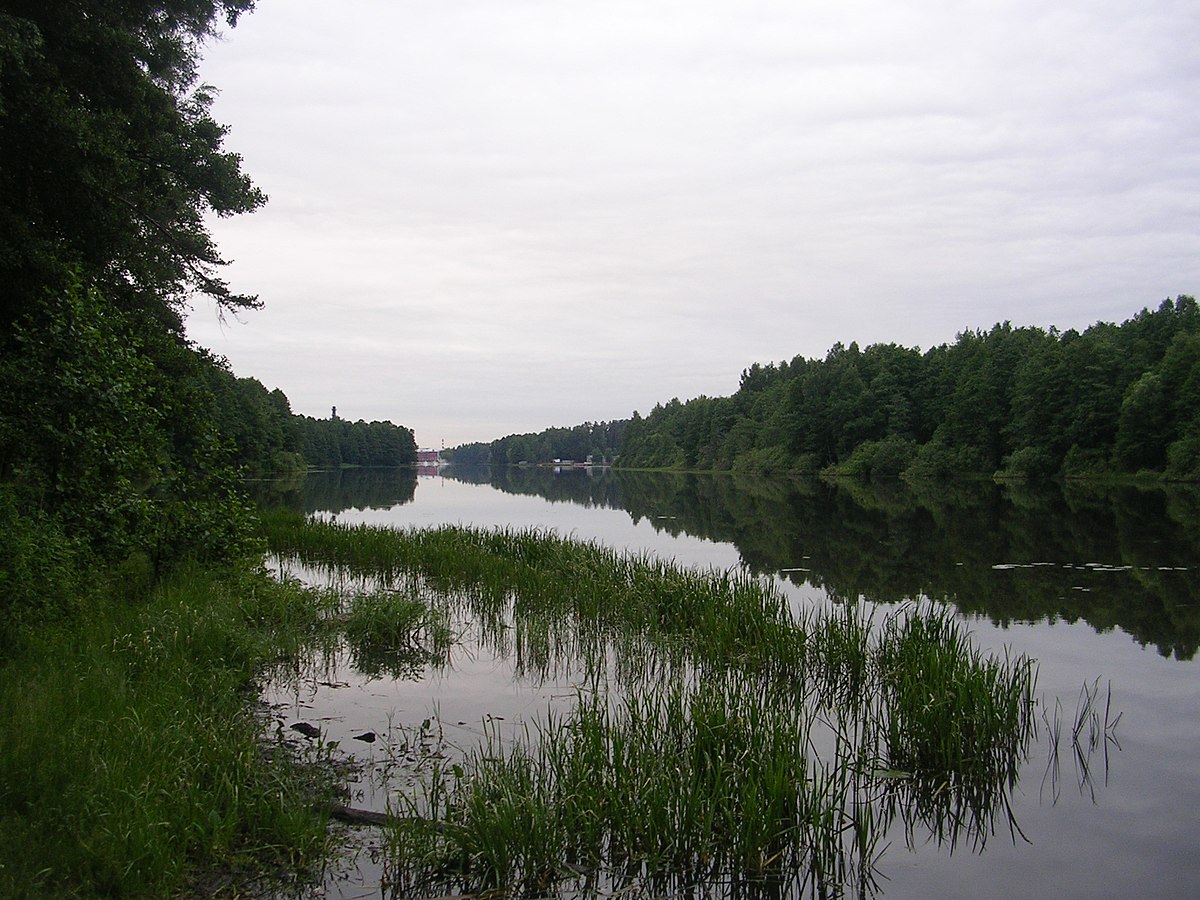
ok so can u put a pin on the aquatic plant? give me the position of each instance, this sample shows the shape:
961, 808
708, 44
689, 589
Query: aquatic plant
684, 787
725, 743
389, 631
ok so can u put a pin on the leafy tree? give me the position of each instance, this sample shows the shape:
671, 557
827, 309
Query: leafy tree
107, 428
109, 157
1036, 403
334, 442
110, 163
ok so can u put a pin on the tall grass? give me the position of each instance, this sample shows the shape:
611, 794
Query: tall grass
722, 617
389, 631
667, 790
131, 761
728, 742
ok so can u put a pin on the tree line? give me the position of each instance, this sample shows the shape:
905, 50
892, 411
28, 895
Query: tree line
264, 437
1018, 401
595, 441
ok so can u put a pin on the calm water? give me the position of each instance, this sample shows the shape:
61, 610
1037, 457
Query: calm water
1091, 583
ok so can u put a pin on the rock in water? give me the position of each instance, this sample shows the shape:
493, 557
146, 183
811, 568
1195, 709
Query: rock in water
306, 729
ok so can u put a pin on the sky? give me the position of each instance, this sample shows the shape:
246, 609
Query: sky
491, 217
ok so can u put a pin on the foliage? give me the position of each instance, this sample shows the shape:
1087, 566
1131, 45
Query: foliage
1025, 402
105, 426
40, 570
597, 441
109, 158
109, 164
333, 442
885, 458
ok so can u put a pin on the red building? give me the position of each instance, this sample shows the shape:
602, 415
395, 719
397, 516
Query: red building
428, 458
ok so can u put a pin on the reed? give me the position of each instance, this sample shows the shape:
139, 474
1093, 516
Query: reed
723, 617
726, 740
663, 791
397, 633
951, 709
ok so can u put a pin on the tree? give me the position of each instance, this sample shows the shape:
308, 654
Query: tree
109, 164
109, 157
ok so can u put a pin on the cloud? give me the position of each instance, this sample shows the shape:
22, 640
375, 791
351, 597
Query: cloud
494, 217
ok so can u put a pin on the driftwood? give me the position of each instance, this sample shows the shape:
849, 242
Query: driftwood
355, 816
352, 815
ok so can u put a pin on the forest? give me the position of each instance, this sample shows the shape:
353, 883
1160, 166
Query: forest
1020, 402
265, 438
118, 435
598, 441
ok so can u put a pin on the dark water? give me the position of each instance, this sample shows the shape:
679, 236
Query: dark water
1092, 583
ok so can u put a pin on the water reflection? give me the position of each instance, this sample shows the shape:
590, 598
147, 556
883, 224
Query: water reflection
1114, 557
337, 490
1026, 556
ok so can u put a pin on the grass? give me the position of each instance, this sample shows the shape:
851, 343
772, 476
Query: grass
721, 743
673, 788
727, 743
391, 632
131, 759
530, 576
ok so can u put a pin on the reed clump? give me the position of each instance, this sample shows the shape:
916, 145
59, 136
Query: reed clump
390, 631
674, 789
727, 740
952, 710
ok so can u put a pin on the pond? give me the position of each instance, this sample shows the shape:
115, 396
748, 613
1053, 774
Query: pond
1101, 586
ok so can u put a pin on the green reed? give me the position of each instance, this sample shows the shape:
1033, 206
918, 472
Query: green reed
952, 710
532, 575
728, 740
686, 786
395, 632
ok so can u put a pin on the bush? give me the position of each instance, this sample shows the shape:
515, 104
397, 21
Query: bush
1183, 458
1029, 462
892, 456
39, 570
937, 459
765, 461
1080, 463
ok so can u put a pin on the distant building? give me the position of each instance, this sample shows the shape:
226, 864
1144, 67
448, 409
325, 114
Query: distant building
429, 458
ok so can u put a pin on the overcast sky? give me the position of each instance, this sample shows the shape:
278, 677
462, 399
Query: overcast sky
497, 216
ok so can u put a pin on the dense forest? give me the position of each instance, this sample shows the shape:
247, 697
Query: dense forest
597, 441
264, 437
1022, 402
118, 436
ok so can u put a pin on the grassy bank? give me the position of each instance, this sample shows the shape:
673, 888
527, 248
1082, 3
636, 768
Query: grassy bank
131, 759
720, 738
